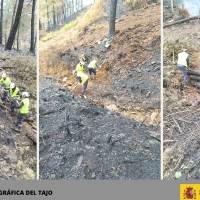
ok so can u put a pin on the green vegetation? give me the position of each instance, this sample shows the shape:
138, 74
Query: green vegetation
47, 37
69, 26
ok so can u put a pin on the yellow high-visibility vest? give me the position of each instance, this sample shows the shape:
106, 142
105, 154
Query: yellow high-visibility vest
7, 82
93, 64
24, 109
79, 68
83, 76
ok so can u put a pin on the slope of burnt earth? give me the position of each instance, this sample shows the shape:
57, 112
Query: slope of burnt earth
129, 79
82, 140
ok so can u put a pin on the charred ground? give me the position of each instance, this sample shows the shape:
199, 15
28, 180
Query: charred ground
181, 117
114, 133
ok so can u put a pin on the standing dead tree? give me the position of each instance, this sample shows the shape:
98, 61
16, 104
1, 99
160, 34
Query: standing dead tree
15, 26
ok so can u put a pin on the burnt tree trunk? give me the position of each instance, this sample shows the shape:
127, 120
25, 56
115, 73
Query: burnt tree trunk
181, 21
1, 23
32, 136
18, 37
14, 12
193, 72
32, 49
14, 28
113, 8
197, 78
54, 18
40, 25
195, 83
48, 29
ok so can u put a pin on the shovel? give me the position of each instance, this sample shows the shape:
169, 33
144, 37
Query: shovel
74, 87
102, 63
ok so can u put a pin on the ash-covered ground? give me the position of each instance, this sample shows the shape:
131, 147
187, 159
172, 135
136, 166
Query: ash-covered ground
82, 140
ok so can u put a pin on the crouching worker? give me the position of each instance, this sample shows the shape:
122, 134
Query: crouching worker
24, 108
82, 79
14, 93
5, 82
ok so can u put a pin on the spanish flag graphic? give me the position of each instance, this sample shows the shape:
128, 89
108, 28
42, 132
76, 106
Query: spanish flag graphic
189, 191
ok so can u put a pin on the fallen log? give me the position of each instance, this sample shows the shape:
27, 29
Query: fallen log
198, 91
197, 78
181, 21
193, 72
195, 83
32, 136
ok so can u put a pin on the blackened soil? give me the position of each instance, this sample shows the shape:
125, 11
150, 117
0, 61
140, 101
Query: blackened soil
82, 140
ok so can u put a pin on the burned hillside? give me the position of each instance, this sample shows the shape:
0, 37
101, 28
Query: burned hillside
94, 138
181, 105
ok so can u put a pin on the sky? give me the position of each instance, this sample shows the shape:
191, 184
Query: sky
87, 2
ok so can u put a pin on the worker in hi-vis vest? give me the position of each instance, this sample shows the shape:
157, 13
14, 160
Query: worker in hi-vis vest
183, 64
5, 82
82, 79
14, 97
80, 67
92, 68
24, 109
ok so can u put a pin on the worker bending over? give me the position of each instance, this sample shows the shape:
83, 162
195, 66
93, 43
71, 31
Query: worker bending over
82, 79
92, 68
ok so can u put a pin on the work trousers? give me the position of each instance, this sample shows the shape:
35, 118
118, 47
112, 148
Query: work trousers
84, 87
13, 106
5, 95
92, 70
20, 119
184, 71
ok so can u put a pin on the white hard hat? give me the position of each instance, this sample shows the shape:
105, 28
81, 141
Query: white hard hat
4, 75
12, 85
26, 94
82, 63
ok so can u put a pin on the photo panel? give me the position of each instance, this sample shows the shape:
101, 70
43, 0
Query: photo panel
181, 88
18, 82
99, 90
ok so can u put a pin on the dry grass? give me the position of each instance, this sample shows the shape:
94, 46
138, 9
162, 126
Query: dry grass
184, 11
136, 3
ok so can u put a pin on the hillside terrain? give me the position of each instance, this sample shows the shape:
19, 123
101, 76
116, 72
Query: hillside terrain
18, 151
181, 115
96, 138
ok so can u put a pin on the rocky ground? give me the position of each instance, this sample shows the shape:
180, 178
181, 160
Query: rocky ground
181, 117
114, 133
18, 151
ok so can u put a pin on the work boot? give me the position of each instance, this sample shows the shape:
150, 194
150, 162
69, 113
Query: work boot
83, 96
186, 86
91, 77
94, 77
19, 128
